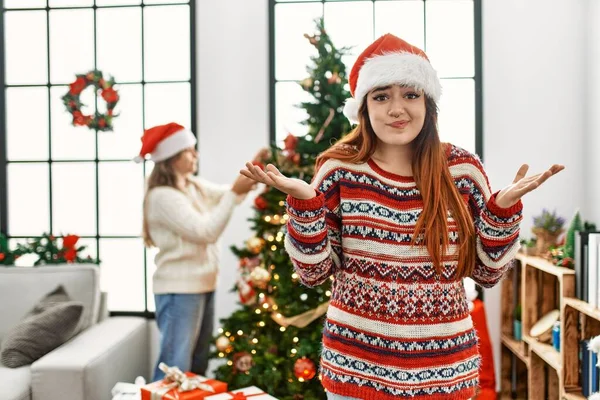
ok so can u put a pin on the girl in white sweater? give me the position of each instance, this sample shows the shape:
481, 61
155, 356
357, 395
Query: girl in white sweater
184, 217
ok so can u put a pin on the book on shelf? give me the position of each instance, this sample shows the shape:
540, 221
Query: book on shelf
587, 267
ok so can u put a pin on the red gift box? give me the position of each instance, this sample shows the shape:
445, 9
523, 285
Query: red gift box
166, 390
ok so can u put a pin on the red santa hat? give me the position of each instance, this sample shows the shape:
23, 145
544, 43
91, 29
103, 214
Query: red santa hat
390, 60
164, 141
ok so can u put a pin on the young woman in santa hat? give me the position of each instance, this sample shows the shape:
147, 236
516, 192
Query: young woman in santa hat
184, 217
399, 219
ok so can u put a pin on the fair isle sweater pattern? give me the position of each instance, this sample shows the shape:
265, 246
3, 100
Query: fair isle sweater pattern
394, 327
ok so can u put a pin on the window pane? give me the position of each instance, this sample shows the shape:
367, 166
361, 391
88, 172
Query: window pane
457, 113
292, 49
288, 116
168, 102
27, 30
27, 141
101, 3
450, 37
150, 268
119, 43
122, 263
121, 194
72, 44
167, 43
28, 199
124, 140
71, 142
74, 198
350, 25
70, 3
24, 3
412, 28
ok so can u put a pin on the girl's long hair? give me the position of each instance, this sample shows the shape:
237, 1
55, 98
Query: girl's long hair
433, 179
163, 174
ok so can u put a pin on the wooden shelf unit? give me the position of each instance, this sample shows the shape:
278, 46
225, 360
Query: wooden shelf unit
541, 371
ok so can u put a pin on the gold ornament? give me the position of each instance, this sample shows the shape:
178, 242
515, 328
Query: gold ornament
306, 83
334, 78
260, 277
255, 244
223, 344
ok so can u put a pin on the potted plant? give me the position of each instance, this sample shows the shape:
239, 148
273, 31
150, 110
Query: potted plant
528, 246
517, 331
547, 227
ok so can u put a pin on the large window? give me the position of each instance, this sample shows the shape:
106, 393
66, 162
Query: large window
448, 31
72, 180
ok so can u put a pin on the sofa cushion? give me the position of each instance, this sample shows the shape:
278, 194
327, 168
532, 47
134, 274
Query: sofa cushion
51, 323
28, 284
16, 383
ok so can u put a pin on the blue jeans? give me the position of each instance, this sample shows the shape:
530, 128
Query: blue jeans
186, 323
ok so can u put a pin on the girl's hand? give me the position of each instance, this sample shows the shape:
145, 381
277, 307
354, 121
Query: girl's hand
271, 176
522, 185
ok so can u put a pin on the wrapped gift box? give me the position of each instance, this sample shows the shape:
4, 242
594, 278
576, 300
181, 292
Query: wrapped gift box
165, 390
249, 393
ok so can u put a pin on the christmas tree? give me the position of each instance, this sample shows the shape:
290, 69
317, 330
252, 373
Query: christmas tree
274, 340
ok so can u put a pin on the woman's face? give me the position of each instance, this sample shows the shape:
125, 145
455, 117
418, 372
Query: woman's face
187, 162
396, 113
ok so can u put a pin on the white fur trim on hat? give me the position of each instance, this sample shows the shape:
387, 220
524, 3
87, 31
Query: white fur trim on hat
172, 145
351, 108
394, 68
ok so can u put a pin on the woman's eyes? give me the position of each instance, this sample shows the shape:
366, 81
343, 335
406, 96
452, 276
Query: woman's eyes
409, 95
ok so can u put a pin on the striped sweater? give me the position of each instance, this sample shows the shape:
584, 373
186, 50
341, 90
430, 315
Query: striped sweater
395, 328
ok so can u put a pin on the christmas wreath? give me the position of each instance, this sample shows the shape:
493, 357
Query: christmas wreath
101, 122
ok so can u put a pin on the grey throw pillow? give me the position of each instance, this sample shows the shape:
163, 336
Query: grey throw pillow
50, 324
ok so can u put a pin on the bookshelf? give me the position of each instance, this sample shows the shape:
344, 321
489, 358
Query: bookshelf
532, 368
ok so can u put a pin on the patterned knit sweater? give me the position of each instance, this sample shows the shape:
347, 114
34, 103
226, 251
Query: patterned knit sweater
395, 328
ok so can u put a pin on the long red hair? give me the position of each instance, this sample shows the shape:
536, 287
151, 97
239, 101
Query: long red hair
433, 179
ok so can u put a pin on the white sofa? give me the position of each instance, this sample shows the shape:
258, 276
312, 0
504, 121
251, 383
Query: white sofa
106, 351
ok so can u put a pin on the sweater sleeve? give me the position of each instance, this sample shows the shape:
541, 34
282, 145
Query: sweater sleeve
176, 212
313, 239
497, 228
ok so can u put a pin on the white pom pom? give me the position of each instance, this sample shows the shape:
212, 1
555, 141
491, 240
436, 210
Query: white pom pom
351, 110
595, 344
470, 289
595, 396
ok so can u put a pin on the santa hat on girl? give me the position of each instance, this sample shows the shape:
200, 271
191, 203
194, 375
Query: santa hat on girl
164, 141
390, 60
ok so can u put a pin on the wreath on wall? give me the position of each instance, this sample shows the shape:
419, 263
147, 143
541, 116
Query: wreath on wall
104, 88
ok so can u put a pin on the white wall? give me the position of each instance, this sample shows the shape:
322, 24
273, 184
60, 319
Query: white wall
592, 141
534, 56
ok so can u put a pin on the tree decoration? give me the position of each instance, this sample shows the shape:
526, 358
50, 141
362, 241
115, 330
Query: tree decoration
304, 368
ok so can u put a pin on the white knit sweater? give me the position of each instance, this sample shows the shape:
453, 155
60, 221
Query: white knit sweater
186, 227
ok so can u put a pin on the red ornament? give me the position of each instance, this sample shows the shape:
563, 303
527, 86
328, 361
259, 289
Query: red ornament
260, 203
2, 256
242, 362
290, 142
70, 241
304, 368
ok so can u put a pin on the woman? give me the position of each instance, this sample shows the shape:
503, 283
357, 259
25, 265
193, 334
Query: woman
399, 219
184, 217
